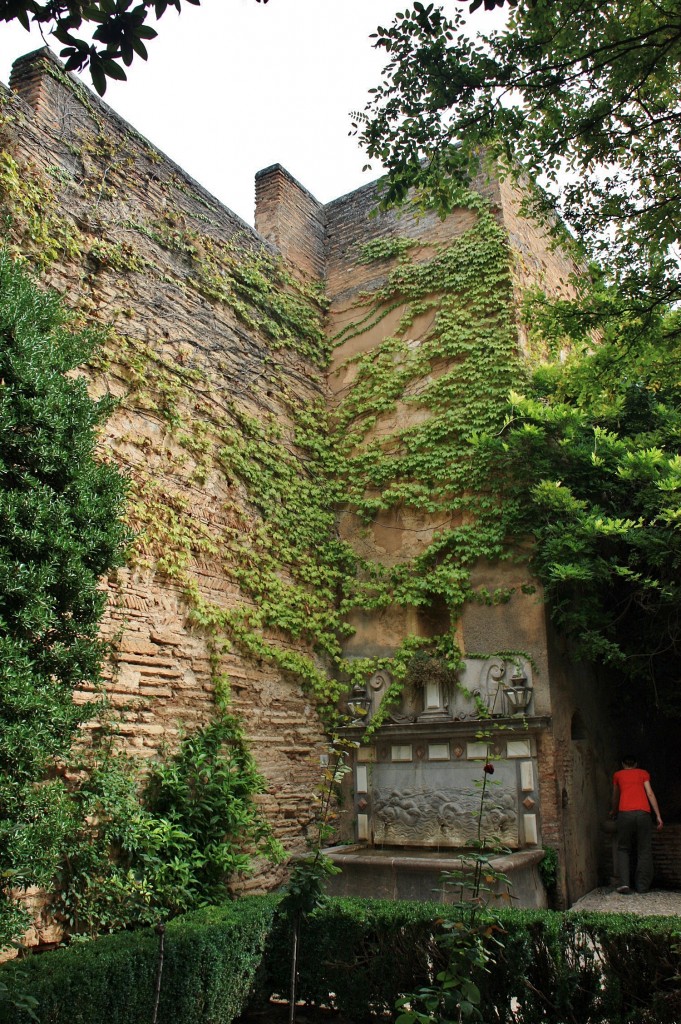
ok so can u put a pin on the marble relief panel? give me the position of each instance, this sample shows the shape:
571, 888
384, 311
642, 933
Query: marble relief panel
438, 805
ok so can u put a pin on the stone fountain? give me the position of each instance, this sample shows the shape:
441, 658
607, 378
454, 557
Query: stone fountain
416, 801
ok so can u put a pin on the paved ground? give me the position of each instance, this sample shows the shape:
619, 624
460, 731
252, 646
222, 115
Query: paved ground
657, 901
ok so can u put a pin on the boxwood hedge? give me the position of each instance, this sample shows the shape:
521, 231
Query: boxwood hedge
356, 956
210, 958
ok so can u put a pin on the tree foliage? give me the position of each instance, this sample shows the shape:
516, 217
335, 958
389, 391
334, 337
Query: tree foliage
60, 531
592, 454
121, 30
577, 88
75, 818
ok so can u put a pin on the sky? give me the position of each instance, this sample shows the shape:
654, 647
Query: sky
233, 86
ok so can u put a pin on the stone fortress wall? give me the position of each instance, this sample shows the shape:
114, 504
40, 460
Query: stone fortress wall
113, 206
572, 765
139, 245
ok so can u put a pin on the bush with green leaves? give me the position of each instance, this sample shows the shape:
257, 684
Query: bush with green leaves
360, 955
591, 456
136, 856
209, 960
60, 532
357, 955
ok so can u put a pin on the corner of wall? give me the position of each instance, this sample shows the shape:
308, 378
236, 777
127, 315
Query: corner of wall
32, 81
540, 260
287, 215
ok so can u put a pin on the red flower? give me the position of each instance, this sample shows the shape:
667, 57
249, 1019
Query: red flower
489, 768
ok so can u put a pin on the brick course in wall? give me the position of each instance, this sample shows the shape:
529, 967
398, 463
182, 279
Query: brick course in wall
287, 215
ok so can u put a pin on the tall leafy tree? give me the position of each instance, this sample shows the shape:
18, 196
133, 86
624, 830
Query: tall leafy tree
60, 532
592, 455
584, 94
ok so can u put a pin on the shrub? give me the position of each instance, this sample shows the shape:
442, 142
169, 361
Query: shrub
210, 958
359, 956
365, 952
60, 531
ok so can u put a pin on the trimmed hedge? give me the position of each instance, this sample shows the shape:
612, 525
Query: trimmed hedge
358, 956
555, 968
363, 951
210, 958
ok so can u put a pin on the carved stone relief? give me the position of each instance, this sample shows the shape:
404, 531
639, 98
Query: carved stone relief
486, 685
429, 805
483, 683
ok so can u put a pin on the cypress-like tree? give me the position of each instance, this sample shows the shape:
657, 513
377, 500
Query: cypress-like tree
60, 532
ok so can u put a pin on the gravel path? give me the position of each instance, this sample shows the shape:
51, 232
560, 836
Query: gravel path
656, 902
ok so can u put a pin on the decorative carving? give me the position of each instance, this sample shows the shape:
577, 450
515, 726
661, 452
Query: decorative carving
435, 705
458, 750
422, 817
401, 714
528, 803
485, 688
380, 680
401, 719
484, 685
496, 672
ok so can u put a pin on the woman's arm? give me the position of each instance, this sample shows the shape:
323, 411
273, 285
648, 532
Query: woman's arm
653, 802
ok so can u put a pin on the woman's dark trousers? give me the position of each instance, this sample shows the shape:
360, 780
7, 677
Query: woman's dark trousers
635, 827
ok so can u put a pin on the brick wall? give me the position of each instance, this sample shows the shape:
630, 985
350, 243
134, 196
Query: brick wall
110, 186
287, 215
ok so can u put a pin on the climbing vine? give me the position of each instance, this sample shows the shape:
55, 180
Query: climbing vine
28, 197
403, 428
299, 581
285, 468
277, 544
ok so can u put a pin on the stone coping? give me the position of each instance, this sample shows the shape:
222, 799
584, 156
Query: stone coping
428, 860
452, 727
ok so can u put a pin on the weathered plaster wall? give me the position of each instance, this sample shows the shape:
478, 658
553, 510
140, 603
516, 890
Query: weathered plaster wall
573, 774
179, 358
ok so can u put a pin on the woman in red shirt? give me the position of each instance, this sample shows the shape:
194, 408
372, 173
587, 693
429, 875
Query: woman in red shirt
632, 800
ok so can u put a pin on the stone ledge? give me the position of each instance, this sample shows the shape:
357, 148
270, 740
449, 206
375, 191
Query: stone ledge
406, 874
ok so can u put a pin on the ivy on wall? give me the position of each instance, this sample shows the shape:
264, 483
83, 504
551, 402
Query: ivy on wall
283, 473
437, 388
278, 546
